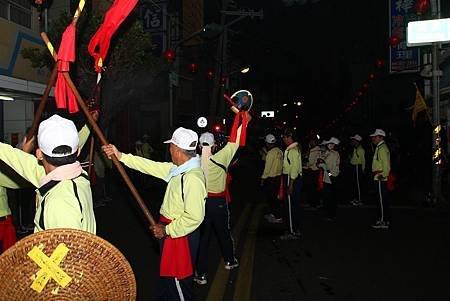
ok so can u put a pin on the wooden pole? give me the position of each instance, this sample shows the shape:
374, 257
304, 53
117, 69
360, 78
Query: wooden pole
42, 103
103, 141
52, 80
91, 155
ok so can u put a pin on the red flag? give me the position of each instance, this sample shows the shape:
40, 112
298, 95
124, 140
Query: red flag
99, 43
66, 54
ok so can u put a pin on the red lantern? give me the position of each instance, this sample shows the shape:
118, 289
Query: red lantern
422, 6
209, 74
359, 94
169, 55
371, 76
394, 41
365, 86
193, 67
223, 80
379, 63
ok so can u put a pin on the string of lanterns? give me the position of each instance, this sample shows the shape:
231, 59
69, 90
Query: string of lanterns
421, 7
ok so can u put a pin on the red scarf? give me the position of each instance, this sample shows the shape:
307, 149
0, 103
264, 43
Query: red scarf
175, 256
234, 129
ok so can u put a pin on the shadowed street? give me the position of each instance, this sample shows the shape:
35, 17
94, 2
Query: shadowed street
340, 260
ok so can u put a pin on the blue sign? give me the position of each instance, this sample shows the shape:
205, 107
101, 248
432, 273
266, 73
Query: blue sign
153, 16
402, 58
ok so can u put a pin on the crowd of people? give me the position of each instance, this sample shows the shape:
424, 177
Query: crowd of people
196, 200
195, 203
295, 179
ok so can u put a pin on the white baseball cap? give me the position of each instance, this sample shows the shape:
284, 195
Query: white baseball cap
356, 137
57, 131
378, 132
207, 138
332, 140
184, 138
270, 138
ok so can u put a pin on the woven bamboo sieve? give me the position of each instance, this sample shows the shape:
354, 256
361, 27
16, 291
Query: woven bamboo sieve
99, 271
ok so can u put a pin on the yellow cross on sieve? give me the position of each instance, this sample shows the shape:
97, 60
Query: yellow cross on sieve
49, 267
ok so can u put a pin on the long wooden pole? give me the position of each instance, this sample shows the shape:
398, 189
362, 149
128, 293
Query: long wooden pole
52, 80
103, 140
42, 103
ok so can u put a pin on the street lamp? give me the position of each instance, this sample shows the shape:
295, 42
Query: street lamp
245, 70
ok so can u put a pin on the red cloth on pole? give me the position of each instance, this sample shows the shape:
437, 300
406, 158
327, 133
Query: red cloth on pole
233, 134
175, 256
99, 43
7, 233
64, 96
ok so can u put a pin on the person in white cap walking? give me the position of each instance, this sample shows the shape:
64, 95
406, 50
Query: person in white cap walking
381, 167
181, 213
329, 162
358, 162
64, 193
271, 178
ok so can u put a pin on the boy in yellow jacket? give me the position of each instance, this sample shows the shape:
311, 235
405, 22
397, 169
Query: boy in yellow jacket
64, 193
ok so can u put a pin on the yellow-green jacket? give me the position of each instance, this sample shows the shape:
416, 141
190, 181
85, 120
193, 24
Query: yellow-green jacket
358, 157
5, 182
58, 205
274, 163
217, 175
184, 199
381, 163
61, 207
292, 162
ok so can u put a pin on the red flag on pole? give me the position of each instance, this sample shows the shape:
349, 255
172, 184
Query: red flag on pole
99, 43
66, 54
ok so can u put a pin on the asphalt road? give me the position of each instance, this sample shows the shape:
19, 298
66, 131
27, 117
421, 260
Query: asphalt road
340, 260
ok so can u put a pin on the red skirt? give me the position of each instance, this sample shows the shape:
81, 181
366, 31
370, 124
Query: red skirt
175, 256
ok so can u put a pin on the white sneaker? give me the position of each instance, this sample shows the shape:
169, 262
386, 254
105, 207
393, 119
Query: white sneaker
200, 279
231, 265
381, 225
290, 236
269, 216
356, 203
274, 220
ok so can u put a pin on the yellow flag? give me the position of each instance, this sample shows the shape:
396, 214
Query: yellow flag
419, 105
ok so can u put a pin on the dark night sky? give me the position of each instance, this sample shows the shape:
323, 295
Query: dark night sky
321, 53
307, 50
